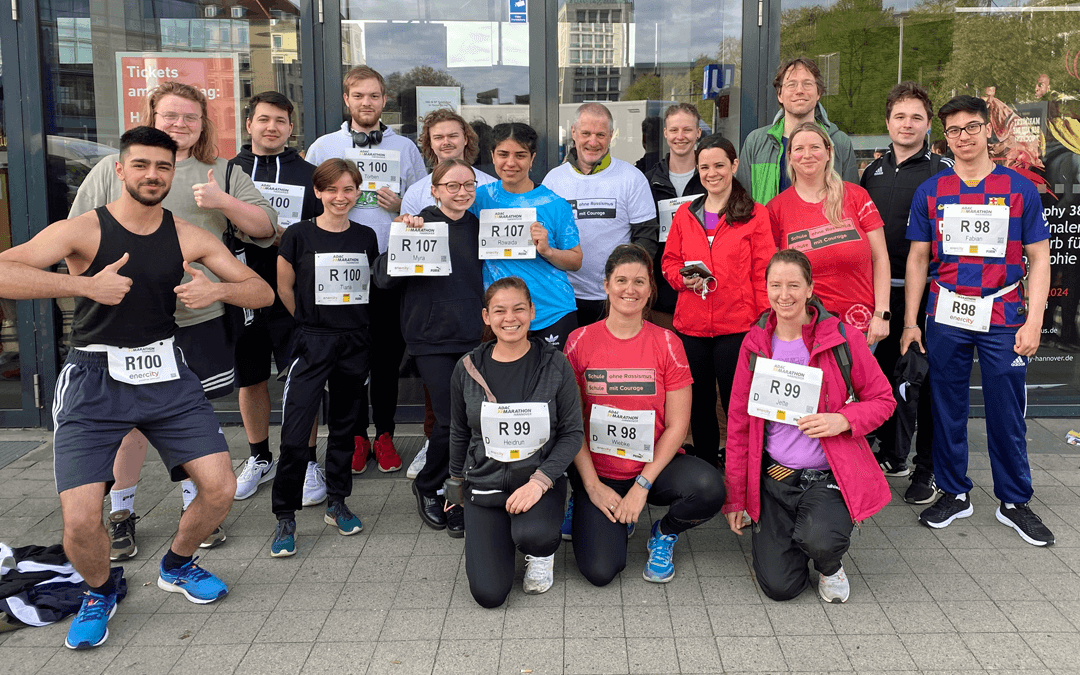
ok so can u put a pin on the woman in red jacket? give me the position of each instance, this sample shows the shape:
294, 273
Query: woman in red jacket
806, 475
727, 234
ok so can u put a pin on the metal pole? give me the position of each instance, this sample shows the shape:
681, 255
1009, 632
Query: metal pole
900, 56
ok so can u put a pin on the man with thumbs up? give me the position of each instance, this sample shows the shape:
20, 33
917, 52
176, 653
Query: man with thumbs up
125, 370
206, 194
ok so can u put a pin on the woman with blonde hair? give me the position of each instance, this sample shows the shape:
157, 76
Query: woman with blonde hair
838, 227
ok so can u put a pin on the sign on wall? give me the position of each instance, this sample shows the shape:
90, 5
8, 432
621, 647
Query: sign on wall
215, 75
429, 99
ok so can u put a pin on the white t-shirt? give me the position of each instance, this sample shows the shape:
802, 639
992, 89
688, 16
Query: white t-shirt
681, 180
418, 197
336, 144
605, 204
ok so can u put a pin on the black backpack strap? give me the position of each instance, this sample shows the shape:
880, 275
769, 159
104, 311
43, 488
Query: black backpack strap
842, 354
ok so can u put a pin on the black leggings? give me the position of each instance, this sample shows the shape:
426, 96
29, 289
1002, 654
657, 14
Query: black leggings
557, 332
692, 490
436, 371
494, 535
384, 307
798, 523
712, 362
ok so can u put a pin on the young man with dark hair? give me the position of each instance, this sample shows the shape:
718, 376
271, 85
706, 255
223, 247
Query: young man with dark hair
284, 178
971, 228
762, 162
362, 133
126, 261
891, 181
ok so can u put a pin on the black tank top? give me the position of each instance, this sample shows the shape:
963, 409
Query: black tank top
155, 266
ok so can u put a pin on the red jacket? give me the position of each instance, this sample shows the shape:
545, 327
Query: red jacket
737, 258
857, 474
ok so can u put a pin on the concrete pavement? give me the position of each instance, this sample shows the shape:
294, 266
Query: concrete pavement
394, 599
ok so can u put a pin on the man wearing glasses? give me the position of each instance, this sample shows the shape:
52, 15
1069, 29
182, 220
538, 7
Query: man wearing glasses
971, 227
762, 162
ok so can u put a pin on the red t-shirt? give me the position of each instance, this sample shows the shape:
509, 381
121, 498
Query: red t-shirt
634, 374
840, 254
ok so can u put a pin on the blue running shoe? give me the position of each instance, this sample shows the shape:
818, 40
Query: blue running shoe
197, 585
630, 527
284, 540
340, 516
91, 625
659, 568
567, 529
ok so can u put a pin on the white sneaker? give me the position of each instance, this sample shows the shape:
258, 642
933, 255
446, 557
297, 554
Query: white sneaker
418, 462
834, 588
255, 473
539, 575
314, 485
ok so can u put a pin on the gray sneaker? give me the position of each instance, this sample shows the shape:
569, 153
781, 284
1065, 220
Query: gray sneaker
216, 538
122, 534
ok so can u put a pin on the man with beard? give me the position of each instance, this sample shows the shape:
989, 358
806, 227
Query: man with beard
364, 139
125, 262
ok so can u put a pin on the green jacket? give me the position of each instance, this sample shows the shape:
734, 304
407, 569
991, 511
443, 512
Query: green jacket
759, 161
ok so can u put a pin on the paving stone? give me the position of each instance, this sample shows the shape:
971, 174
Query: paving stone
995, 651
540, 656
585, 656
698, 655
751, 654
651, 655
460, 657
270, 659
868, 653
338, 657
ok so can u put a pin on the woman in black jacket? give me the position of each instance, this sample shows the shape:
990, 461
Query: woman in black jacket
440, 321
515, 428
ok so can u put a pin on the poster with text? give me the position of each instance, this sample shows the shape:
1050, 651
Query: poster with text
433, 98
216, 75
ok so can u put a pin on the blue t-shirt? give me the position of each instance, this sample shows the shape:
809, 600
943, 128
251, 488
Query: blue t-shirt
552, 294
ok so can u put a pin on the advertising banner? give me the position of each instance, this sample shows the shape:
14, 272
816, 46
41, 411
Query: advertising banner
216, 75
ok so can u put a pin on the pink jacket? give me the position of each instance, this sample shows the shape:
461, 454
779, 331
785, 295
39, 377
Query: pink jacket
857, 474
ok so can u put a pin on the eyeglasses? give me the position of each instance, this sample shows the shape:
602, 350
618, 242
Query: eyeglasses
172, 118
971, 128
792, 85
454, 188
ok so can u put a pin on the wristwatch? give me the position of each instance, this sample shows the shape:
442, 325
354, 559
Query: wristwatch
885, 315
643, 482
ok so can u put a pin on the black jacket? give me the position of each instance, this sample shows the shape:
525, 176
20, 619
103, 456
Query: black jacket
892, 188
293, 171
441, 315
552, 382
662, 188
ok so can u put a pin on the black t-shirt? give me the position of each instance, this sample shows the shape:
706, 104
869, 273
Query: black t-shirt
508, 380
299, 246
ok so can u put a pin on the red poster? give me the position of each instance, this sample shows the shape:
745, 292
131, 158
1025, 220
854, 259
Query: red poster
215, 75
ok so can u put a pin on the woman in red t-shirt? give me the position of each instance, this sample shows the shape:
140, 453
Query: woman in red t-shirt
635, 390
838, 227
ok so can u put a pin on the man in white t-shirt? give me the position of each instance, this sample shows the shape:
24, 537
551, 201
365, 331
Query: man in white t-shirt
612, 204
445, 135
389, 164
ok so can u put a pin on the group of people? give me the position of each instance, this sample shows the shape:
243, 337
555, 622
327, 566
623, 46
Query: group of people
572, 378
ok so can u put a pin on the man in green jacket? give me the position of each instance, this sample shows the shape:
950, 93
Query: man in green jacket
762, 163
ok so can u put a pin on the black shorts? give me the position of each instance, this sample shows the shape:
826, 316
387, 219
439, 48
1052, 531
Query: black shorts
209, 355
92, 413
267, 337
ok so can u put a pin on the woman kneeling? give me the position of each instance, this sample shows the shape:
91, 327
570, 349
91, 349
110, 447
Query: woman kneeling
805, 480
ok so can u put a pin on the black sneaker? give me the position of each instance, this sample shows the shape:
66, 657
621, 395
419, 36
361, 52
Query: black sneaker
945, 510
455, 522
892, 468
923, 489
122, 534
1028, 525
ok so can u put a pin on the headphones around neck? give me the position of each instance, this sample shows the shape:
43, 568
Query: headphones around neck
361, 139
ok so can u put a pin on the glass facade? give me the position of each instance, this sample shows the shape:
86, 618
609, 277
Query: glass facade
505, 60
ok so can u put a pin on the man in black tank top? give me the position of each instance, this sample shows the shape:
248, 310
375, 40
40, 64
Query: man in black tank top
125, 262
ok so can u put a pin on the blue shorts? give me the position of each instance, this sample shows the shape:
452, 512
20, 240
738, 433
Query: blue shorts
92, 413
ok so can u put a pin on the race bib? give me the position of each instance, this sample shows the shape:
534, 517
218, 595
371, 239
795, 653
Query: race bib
628, 434
594, 208
419, 252
783, 392
378, 169
667, 208
963, 311
975, 230
287, 200
505, 234
342, 279
155, 362
514, 431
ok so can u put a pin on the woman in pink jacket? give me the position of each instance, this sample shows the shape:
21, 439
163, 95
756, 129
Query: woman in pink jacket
798, 461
